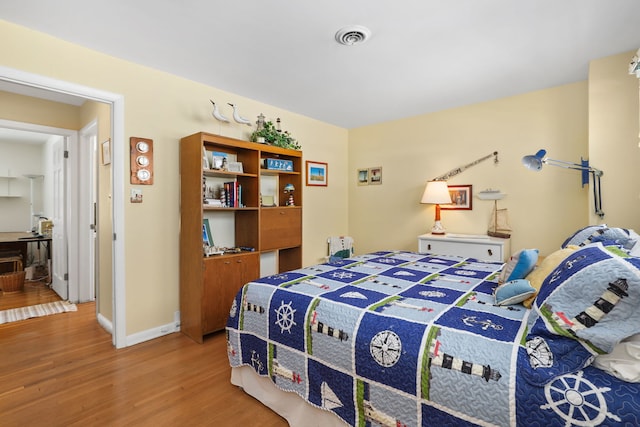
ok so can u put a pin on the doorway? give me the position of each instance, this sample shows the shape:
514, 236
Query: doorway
41, 149
46, 88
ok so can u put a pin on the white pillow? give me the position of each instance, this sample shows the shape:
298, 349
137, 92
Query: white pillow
624, 361
635, 251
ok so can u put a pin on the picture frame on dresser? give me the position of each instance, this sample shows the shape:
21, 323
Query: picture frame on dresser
461, 196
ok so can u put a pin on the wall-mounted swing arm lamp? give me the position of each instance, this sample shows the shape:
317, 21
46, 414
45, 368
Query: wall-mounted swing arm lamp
534, 162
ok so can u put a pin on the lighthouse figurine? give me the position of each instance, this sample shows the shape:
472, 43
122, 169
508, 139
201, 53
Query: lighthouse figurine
289, 188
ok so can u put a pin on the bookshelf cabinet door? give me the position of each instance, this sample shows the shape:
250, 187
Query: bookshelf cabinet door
223, 277
280, 228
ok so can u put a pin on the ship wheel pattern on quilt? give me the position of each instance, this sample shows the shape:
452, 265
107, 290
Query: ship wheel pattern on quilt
577, 400
284, 317
385, 348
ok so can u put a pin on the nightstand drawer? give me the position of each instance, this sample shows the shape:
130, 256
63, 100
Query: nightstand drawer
481, 247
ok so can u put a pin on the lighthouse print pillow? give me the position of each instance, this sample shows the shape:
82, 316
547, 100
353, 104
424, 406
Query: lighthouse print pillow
591, 303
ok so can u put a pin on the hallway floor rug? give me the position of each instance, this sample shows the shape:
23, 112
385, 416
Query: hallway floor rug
22, 313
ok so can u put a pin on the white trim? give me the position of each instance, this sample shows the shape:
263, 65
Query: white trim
117, 121
105, 323
152, 333
87, 142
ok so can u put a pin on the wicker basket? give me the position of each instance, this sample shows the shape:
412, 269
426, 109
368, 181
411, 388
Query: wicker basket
12, 282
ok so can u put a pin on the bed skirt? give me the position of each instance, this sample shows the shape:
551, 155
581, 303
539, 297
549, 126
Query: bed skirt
288, 405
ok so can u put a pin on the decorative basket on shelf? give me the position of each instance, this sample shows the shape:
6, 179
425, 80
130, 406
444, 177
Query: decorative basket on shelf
12, 282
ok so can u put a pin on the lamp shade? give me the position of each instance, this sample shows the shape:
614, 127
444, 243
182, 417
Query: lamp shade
436, 192
534, 161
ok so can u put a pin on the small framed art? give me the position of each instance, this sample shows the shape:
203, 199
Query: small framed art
461, 197
375, 175
317, 173
363, 176
106, 152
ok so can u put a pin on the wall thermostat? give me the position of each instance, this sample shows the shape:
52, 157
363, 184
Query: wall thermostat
141, 157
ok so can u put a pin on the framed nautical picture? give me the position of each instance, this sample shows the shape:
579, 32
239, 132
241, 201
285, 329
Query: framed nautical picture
317, 173
363, 176
461, 198
375, 175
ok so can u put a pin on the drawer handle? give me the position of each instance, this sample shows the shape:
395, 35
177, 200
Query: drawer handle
490, 252
281, 212
429, 246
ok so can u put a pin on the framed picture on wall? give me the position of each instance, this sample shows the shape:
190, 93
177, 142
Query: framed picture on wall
106, 152
375, 175
363, 176
317, 173
461, 197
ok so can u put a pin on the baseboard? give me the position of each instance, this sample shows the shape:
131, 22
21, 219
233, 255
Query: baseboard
153, 333
105, 323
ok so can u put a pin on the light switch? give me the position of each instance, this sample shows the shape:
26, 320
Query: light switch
136, 195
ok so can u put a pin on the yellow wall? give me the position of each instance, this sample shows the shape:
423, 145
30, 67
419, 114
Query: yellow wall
21, 108
544, 207
164, 108
613, 137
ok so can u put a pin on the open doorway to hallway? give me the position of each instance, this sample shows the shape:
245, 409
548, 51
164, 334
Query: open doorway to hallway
47, 88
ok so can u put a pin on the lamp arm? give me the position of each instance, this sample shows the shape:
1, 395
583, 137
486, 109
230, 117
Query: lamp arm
569, 165
456, 171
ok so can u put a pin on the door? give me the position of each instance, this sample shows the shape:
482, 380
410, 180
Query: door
59, 235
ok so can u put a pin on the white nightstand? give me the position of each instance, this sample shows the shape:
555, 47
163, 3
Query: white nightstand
467, 245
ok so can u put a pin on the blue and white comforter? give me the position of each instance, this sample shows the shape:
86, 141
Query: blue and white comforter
407, 339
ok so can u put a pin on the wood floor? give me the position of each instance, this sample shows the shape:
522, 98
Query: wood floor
35, 292
62, 370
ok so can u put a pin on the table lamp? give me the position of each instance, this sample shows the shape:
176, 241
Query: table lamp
437, 193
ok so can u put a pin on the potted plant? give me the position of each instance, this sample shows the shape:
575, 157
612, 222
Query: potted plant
270, 135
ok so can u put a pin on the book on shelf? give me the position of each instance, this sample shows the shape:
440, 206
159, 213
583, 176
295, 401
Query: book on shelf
233, 194
207, 237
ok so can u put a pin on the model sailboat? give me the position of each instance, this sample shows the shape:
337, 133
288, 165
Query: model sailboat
499, 223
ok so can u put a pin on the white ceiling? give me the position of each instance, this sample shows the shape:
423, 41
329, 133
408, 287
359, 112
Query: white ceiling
423, 55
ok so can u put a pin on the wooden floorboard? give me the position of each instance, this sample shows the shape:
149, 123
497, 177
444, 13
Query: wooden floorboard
34, 292
62, 370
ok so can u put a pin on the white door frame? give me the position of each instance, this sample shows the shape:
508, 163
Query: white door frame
116, 101
87, 149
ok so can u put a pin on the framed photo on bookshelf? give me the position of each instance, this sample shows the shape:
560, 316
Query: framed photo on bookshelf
461, 197
205, 159
235, 167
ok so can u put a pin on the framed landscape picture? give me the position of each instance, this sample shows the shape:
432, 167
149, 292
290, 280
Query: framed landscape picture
317, 173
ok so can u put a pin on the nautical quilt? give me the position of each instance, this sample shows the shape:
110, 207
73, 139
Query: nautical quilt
397, 338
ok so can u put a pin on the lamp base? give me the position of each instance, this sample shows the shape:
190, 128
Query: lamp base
438, 228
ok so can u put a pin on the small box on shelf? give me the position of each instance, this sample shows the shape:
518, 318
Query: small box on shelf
277, 164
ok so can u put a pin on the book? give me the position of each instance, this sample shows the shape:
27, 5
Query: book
207, 238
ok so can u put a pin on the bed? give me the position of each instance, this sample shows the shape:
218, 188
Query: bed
397, 338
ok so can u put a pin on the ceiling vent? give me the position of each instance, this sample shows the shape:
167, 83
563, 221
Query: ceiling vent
353, 35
